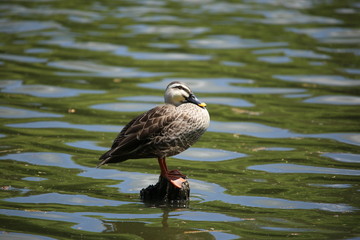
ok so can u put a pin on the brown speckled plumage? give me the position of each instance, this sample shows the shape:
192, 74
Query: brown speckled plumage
163, 131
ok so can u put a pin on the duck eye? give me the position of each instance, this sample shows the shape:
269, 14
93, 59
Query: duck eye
179, 87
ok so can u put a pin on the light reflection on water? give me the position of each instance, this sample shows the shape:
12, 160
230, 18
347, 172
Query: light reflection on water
235, 102
243, 128
8, 112
206, 191
65, 199
294, 168
45, 91
206, 154
343, 157
93, 69
334, 100
124, 107
193, 154
85, 222
330, 80
58, 124
231, 42
221, 85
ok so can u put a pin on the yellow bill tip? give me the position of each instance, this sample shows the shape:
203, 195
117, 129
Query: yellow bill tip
202, 104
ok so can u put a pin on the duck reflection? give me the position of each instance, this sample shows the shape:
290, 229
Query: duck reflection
166, 229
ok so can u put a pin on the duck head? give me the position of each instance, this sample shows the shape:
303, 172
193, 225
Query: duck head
178, 93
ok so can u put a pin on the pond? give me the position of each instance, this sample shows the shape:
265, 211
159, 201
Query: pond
281, 80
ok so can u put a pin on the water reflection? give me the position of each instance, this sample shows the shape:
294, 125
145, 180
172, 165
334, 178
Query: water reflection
204, 190
90, 145
330, 80
8, 26
275, 59
232, 64
124, 107
263, 131
85, 222
25, 11
275, 149
262, 202
352, 70
164, 45
244, 128
294, 168
331, 185
293, 53
288, 17
250, 129
97, 70
343, 157
34, 179
43, 158
235, 102
19, 236
208, 154
231, 42
144, 98
221, 85
331, 35
58, 124
161, 56
67, 199
8, 112
38, 50
45, 91
165, 31
21, 58
334, 100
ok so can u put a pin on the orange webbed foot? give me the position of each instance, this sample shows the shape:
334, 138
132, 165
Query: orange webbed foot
176, 178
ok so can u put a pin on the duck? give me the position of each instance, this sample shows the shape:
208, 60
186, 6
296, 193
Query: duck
163, 131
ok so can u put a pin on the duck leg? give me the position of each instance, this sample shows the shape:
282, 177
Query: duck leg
174, 176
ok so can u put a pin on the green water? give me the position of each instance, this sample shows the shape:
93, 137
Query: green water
281, 81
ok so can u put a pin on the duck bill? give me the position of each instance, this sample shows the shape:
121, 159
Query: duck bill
193, 99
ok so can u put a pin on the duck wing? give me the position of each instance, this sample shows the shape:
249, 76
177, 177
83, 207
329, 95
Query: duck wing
138, 133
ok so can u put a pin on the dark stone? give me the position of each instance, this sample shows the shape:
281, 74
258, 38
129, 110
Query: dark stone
165, 194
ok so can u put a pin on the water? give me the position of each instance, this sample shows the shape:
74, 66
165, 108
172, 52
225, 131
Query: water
281, 81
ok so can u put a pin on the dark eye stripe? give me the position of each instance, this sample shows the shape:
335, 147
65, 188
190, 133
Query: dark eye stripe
182, 88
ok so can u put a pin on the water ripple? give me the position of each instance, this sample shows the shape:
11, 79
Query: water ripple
8, 112
235, 102
287, 17
333, 35
98, 70
21, 58
133, 182
330, 80
124, 107
34, 179
293, 53
58, 124
334, 100
166, 30
231, 42
294, 168
45, 91
67, 199
208, 154
85, 221
343, 157
90, 145
27, 26
221, 85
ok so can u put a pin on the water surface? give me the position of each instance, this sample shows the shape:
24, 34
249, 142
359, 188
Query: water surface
281, 81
